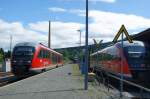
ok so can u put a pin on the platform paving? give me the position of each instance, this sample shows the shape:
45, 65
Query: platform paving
60, 83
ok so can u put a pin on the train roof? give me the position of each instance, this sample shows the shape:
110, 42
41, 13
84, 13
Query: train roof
125, 44
34, 45
26, 44
49, 48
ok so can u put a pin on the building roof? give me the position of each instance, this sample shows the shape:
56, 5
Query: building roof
142, 36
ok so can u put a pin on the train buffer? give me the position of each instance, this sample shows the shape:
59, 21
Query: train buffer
64, 82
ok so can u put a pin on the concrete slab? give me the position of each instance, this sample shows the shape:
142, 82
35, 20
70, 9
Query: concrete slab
60, 83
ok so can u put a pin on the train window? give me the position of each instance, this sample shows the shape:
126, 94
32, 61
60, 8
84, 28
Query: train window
43, 54
46, 54
40, 55
54, 58
59, 59
134, 51
49, 55
23, 50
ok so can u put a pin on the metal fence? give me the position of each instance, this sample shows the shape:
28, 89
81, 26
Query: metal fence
106, 80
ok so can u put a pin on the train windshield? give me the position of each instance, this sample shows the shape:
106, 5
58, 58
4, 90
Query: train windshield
23, 52
134, 51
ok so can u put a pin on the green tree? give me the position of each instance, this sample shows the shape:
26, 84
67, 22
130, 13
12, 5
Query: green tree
7, 54
1, 54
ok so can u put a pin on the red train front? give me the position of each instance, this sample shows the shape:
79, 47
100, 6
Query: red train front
29, 57
136, 64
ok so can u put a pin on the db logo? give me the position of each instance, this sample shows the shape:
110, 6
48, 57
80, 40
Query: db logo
45, 63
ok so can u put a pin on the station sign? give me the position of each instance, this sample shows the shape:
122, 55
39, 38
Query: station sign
123, 30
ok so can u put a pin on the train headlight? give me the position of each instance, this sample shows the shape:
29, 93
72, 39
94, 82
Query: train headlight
14, 61
29, 61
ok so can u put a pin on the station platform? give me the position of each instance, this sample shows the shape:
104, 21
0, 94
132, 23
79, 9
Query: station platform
64, 82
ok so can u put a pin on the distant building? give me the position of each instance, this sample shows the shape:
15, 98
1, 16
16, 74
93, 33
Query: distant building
6, 66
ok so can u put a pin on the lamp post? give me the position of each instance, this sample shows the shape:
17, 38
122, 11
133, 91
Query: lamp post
49, 35
10, 45
79, 37
79, 57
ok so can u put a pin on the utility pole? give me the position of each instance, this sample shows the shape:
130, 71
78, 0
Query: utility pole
49, 35
10, 44
86, 50
79, 37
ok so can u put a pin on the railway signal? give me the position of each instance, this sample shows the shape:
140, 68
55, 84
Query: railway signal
121, 31
97, 44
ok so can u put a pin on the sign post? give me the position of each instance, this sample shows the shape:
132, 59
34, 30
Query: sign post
121, 31
86, 50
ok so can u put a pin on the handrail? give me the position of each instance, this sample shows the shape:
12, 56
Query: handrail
131, 83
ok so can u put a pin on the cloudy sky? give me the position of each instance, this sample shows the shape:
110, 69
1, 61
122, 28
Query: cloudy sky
27, 20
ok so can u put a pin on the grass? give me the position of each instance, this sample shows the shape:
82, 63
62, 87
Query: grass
75, 69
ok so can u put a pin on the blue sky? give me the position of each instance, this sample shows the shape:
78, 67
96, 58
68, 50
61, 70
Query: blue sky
37, 10
24, 18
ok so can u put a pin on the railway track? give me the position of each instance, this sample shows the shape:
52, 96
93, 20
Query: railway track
5, 80
8, 78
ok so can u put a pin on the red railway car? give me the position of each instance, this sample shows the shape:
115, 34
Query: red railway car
136, 64
28, 57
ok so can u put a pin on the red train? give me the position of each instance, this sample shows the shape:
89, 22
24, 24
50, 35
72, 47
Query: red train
29, 57
136, 60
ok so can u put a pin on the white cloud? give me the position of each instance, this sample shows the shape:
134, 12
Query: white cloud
73, 11
77, 11
103, 26
19, 33
63, 33
106, 24
56, 9
107, 1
